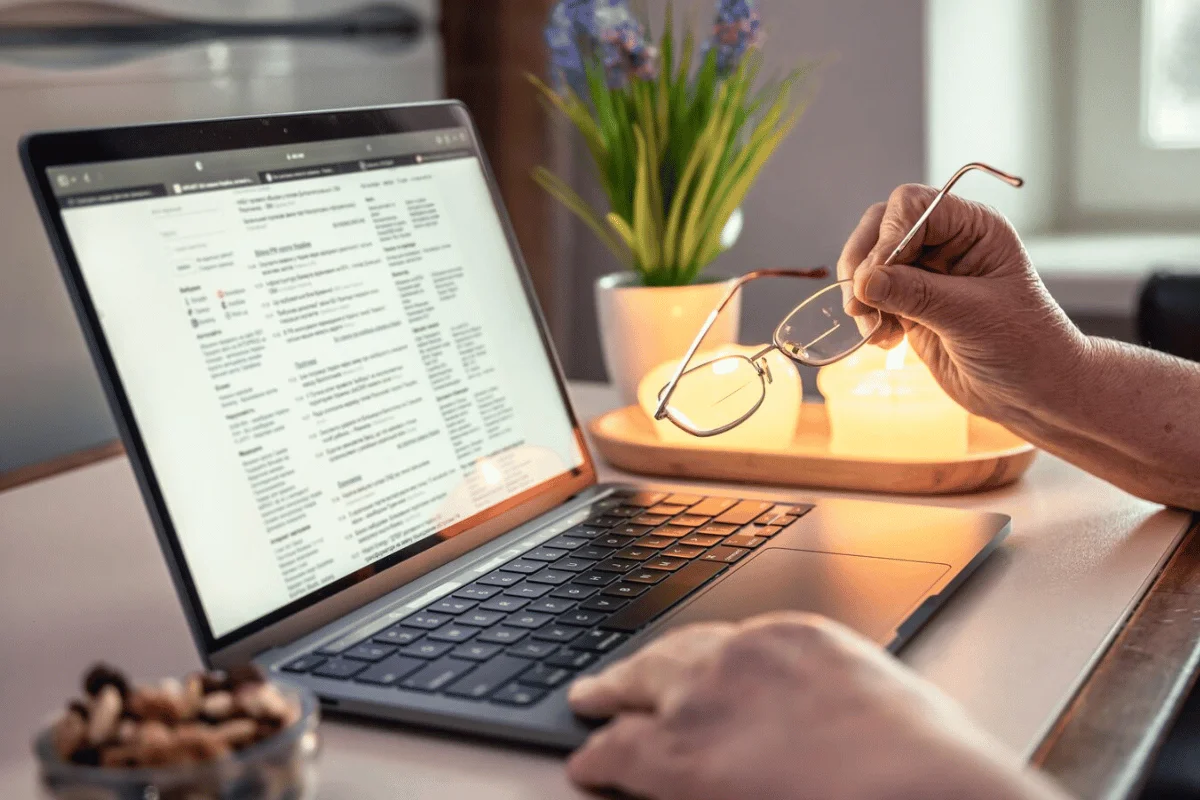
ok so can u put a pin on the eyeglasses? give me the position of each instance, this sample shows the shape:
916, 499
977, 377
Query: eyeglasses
722, 393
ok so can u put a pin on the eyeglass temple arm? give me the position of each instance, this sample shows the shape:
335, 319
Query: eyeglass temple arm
820, 272
1011, 180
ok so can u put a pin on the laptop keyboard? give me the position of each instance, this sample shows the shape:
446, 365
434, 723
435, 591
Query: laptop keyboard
529, 626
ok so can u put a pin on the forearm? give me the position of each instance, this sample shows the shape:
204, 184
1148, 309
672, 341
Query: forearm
1128, 415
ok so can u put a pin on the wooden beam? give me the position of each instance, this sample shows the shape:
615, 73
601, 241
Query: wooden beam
1104, 744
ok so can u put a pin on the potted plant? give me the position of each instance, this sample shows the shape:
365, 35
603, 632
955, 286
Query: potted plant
677, 138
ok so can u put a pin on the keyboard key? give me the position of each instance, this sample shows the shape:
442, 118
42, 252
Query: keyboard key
613, 501
672, 531
744, 540
427, 649
530, 591
339, 668
369, 651
584, 531
550, 605
546, 677
644, 499
716, 529
616, 565
566, 542
525, 619
500, 579
517, 695
665, 564
571, 659
652, 520
574, 591
390, 670
452, 605
453, 633
438, 674
631, 530
683, 551
502, 634
523, 566
624, 511
700, 540
573, 564
624, 590
546, 554
661, 597
773, 518
613, 541
477, 592
426, 621
600, 641
711, 506
481, 618
690, 521
726, 555
505, 604
398, 635
646, 576
593, 578
487, 678
561, 634
745, 511
532, 649
605, 521
666, 509
636, 553
592, 553
583, 619
761, 530
554, 577
655, 542
683, 499
476, 651
304, 663
602, 603
801, 510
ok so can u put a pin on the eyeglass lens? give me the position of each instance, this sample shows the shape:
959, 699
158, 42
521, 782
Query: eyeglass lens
820, 331
715, 394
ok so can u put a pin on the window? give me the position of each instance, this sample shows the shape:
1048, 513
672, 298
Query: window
1171, 73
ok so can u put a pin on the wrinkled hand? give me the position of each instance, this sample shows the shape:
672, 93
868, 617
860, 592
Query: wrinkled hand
784, 706
966, 293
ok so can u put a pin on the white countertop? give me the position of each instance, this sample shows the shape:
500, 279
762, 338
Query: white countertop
82, 578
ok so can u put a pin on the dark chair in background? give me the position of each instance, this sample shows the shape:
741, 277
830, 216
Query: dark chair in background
1168, 319
1168, 315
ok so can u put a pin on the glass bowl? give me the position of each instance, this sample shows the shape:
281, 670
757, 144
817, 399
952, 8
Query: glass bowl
282, 767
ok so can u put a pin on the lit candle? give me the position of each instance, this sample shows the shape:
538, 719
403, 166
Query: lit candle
886, 405
772, 427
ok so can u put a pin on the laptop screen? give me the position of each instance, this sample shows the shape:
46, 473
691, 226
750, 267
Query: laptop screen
328, 351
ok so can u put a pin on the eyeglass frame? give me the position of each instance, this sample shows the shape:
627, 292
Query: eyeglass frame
660, 412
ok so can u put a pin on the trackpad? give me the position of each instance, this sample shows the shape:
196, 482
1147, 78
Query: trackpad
870, 595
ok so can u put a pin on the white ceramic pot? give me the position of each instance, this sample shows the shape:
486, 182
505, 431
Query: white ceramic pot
643, 326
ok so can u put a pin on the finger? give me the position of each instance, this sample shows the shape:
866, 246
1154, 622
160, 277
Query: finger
640, 682
932, 299
626, 754
857, 248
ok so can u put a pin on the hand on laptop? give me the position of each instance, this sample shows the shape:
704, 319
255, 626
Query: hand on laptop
783, 706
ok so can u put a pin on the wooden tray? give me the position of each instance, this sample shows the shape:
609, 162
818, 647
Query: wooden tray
995, 458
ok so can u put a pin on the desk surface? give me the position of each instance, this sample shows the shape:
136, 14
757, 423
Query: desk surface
81, 578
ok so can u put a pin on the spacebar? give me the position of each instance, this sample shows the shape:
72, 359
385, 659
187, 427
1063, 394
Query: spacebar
663, 596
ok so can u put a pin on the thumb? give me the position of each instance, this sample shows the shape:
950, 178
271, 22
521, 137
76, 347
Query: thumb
929, 298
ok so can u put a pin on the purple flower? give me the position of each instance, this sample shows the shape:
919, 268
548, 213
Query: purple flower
584, 31
736, 29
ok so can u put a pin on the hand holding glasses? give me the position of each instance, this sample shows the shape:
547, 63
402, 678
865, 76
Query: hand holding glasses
720, 394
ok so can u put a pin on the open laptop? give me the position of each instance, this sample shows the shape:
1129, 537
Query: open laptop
350, 429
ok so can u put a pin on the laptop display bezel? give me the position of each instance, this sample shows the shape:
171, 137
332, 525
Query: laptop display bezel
42, 151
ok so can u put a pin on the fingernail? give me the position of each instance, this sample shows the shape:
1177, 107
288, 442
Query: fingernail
878, 286
581, 687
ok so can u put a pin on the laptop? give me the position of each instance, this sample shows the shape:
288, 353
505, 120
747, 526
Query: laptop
350, 429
